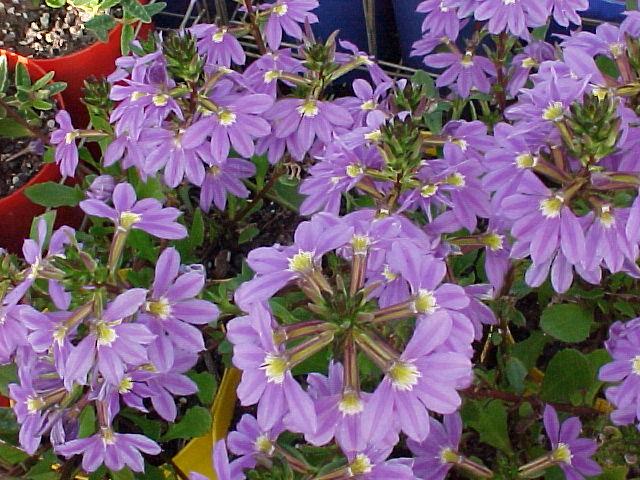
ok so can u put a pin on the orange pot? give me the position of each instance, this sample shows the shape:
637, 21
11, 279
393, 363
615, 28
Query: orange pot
16, 210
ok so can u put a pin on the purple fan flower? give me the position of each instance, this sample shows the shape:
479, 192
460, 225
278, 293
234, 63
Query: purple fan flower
544, 223
115, 450
101, 188
251, 442
339, 172
266, 373
111, 343
366, 100
532, 55
225, 178
236, 124
441, 20
146, 215
433, 455
566, 11
277, 266
624, 347
371, 463
420, 380
13, 333
571, 453
513, 15
224, 470
286, 15
178, 153
262, 74
172, 306
339, 410
466, 71
217, 45
64, 138
300, 121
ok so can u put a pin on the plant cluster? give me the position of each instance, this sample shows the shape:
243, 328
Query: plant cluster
471, 244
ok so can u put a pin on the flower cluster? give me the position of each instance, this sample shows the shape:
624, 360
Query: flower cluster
96, 342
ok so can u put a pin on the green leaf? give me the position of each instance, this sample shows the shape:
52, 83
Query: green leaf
9, 128
134, 9
49, 217
529, 350
516, 373
154, 8
151, 428
207, 386
43, 81
101, 25
614, 473
124, 474
87, 421
247, 234
4, 73
22, 76
52, 194
568, 372
490, 421
127, 36
567, 322
56, 3
8, 374
11, 454
195, 423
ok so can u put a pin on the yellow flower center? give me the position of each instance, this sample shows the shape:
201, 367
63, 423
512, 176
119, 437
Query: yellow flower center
616, 49
429, 190
350, 404
160, 100
607, 220
467, 60
361, 465
600, 93
373, 136
281, 9
554, 112
135, 96
271, 75
35, 404
226, 117
404, 376
106, 334
308, 109
425, 302
635, 365
128, 219
126, 385
354, 170
447, 455
160, 308
107, 436
274, 368
368, 105
493, 241
456, 179
360, 244
59, 334
551, 207
443, 7
462, 143
219, 35
264, 445
301, 262
388, 275
526, 160
71, 137
529, 62
562, 453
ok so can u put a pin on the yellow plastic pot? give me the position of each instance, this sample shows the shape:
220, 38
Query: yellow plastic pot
196, 455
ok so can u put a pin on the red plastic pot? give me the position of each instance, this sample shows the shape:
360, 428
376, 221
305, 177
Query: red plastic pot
4, 401
97, 60
16, 210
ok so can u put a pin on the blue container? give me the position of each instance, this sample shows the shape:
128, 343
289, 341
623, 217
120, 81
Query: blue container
348, 17
172, 15
409, 27
605, 10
